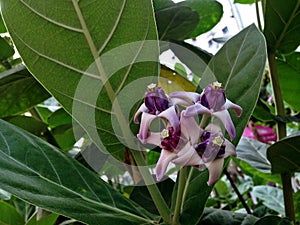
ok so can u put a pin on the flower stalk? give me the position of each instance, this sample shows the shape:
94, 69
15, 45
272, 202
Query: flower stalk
281, 133
180, 194
156, 196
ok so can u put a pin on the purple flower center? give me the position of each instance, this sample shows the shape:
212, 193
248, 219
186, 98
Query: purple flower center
170, 138
211, 146
156, 100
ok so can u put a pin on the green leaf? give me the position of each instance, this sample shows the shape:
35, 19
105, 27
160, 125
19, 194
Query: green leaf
289, 77
58, 118
4, 195
6, 50
257, 176
176, 22
19, 91
65, 137
254, 153
141, 196
194, 58
239, 66
244, 1
272, 197
2, 26
210, 13
29, 124
64, 57
282, 29
274, 220
284, 155
195, 197
159, 4
40, 174
9, 215
216, 216
179, 68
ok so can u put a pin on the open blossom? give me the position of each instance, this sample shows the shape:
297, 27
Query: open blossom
181, 140
211, 101
156, 105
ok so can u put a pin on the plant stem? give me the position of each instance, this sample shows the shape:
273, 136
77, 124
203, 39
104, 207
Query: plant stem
258, 16
281, 133
236, 190
156, 196
180, 192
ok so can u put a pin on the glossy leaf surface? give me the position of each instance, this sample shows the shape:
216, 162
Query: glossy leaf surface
40, 174
100, 46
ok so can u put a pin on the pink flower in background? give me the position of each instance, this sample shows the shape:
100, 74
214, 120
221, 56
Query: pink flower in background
261, 133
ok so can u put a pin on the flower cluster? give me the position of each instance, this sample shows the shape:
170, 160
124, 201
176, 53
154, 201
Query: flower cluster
182, 140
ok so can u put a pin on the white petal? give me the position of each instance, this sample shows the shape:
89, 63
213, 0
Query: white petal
187, 156
215, 169
229, 149
230, 105
190, 128
163, 162
142, 109
144, 127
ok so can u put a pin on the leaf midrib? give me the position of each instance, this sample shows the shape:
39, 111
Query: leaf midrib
64, 187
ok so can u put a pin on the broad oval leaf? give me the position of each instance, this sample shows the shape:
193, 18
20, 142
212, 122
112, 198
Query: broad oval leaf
42, 175
254, 153
289, 77
19, 91
213, 216
6, 50
210, 13
274, 220
284, 155
9, 215
272, 197
282, 29
85, 53
239, 66
176, 22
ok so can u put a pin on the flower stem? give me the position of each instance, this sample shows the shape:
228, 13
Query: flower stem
236, 190
156, 196
180, 193
281, 133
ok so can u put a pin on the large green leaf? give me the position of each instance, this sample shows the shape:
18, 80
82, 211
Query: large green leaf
159, 4
40, 174
2, 26
210, 13
289, 77
6, 50
254, 153
176, 22
282, 28
216, 216
239, 66
195, 197
64, 57
272, 197
274, 220
284, 155
9, 215
19, 91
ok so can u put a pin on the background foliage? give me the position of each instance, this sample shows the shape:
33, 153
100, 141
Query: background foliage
69, 47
